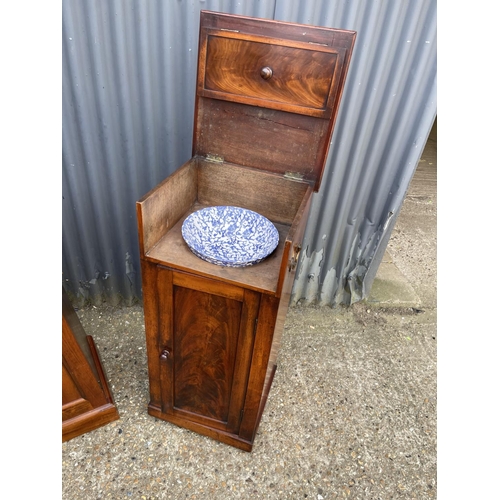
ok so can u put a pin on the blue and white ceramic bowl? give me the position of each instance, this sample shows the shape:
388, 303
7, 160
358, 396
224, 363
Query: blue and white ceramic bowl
230, 236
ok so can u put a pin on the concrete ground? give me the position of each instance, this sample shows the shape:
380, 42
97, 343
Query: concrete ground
351, 414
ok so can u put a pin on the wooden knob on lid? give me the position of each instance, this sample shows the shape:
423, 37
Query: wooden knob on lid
266, 73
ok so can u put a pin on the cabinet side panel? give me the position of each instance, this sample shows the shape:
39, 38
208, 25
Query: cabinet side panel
77, 331
78, 368
151, 321
260, 359
165, 289
86, 400
162, 207
243, 358
206, 328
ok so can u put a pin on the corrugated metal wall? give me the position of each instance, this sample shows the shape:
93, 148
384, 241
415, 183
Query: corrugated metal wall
388, 108
129, 70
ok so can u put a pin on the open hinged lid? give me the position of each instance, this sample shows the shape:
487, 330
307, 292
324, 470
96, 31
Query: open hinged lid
268, 93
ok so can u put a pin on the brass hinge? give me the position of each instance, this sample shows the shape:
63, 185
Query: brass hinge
214, 158
294, 176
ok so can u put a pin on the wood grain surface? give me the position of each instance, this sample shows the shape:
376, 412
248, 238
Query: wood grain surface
206, 330
261, 138
299, 76
87, 402
160, 209
229, 184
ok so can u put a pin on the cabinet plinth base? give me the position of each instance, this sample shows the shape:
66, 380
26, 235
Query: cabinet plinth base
82, 415
218, 435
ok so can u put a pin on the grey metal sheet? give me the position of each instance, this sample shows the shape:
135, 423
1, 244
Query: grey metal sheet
387, 111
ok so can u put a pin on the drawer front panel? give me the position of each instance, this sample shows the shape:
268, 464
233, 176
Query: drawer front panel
292, 76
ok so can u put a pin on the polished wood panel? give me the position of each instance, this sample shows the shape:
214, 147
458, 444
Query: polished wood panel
86, 399
261, 69
206, 330
331, 37
260, 358
204, 349
156, 322
205, 429
244, 354
211, 287
161, 354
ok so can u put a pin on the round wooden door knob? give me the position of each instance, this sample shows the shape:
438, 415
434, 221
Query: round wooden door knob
266, 73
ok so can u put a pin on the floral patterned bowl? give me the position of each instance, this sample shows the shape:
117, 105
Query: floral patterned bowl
230, 236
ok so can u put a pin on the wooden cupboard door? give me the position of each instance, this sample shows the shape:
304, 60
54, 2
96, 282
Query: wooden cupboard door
205, 346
